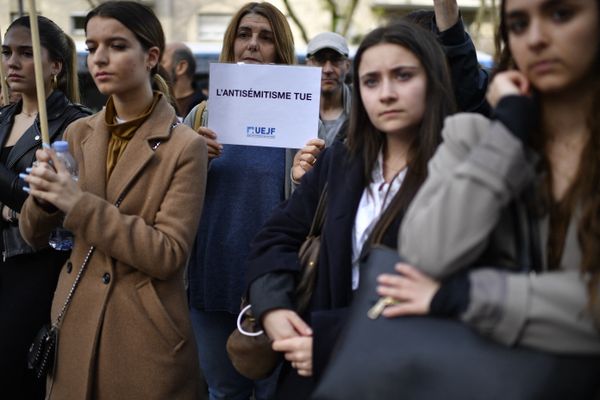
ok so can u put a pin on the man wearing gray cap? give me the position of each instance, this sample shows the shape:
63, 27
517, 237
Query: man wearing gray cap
329, 51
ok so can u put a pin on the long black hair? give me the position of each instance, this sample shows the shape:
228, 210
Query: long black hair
366, 140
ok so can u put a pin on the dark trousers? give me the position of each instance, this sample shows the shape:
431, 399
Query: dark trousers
211, 329
27, 284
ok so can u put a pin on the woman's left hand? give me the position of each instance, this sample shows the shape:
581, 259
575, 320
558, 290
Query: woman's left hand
52, 185
306, 157
412, 289
297, 350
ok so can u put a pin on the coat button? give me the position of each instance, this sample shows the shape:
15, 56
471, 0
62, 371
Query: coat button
69, 267
106, 278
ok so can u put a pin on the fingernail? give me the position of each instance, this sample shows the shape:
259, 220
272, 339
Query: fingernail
22, 175
26, 189
28, 169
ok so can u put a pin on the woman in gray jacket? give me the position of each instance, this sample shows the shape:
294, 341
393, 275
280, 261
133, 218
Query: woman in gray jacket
519, 193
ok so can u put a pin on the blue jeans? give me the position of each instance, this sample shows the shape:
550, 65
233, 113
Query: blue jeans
211, 329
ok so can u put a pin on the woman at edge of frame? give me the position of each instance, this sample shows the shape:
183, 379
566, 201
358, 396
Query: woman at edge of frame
126, 332
28, 277
540, 153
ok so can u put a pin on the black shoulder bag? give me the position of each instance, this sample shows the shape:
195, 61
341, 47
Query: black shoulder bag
426, 357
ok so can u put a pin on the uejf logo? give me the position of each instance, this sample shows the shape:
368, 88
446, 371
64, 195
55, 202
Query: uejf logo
260, 131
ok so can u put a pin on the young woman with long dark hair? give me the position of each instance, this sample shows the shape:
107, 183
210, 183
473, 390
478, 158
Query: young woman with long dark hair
28, 277
402, 93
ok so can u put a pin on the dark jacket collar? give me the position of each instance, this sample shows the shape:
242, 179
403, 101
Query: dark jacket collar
55, 107
58, 110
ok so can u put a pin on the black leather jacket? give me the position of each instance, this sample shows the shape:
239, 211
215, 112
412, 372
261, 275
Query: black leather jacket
61, 112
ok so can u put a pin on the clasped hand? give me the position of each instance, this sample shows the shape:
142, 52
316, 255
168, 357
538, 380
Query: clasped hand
50, 182
291, 336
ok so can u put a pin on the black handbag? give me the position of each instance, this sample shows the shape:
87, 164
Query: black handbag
40, 357
438, 358
249, 347
42, 352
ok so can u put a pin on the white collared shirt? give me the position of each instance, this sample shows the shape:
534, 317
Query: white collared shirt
375, 199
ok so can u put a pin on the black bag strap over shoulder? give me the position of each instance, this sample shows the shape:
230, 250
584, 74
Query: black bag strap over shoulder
320, 214
309, 255
82, 269
86, 260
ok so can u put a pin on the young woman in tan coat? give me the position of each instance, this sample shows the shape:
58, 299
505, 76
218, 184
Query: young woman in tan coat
126, 334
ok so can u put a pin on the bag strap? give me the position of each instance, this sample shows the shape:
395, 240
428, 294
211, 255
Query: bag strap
82, 269
197, 122
84, 264
529, 252
320, 213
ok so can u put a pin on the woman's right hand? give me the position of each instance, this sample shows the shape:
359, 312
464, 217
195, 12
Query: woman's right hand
292, 337
306, 157
51, 183
507, 83
283, 323
210, 137
41, 163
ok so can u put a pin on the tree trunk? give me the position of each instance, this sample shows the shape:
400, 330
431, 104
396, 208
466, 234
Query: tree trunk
294, 18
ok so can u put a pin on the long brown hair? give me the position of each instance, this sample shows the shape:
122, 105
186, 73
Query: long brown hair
585, 190
282, 34
366, 140
589, 189
145, 26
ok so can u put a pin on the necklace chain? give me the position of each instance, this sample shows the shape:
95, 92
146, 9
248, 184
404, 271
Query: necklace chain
29, 115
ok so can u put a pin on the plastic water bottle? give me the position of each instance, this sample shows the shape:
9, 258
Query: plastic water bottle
61, 238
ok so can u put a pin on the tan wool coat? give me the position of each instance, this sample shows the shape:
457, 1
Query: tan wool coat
127, 333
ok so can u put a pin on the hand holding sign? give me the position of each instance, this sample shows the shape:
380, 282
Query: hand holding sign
306, 157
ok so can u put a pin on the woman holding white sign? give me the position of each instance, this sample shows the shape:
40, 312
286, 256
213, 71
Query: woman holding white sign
244, 184
399, 72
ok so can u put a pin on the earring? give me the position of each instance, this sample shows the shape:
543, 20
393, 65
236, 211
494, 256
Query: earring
54, 81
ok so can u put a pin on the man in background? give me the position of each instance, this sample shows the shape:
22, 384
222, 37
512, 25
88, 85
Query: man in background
180, 64
329, 51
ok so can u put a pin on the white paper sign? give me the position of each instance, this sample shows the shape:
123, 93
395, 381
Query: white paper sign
264, 105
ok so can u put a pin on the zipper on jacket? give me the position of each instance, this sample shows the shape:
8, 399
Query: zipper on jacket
26, 150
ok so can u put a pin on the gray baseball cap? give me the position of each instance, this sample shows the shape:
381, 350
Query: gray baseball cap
327, 40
